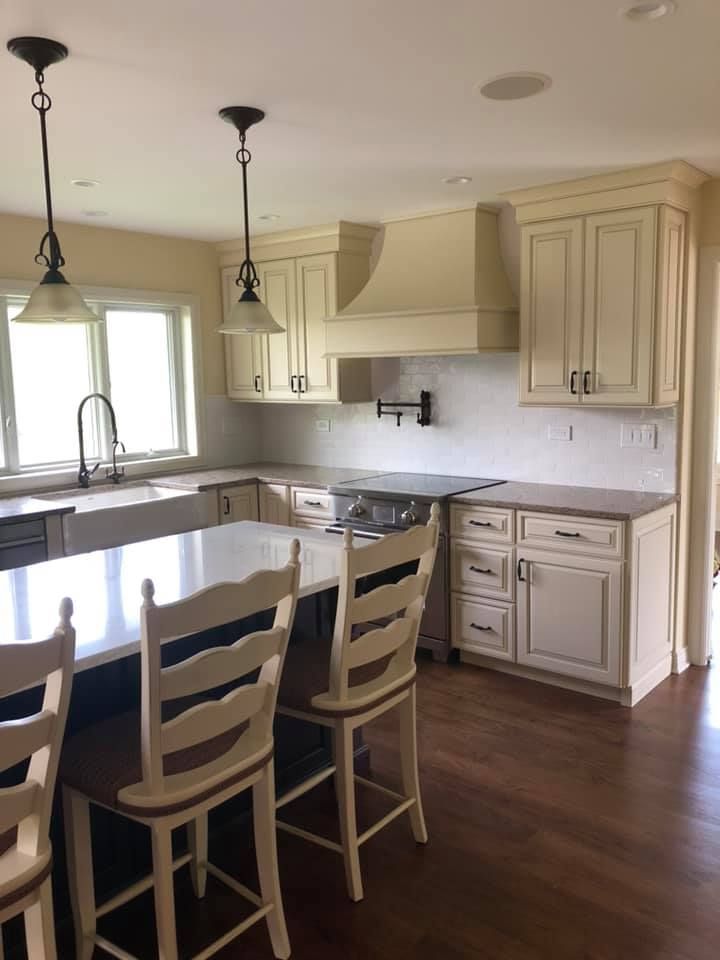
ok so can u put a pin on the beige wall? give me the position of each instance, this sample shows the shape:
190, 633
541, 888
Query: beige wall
137, 261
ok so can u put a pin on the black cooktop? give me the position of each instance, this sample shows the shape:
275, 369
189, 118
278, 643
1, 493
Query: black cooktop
413, 485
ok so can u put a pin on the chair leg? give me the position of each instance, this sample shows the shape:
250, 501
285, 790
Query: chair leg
345, 780
267, 863
40, 926
164, 892
409, 764
78, 854
198, 841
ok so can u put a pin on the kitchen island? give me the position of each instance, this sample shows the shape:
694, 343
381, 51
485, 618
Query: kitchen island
105, 589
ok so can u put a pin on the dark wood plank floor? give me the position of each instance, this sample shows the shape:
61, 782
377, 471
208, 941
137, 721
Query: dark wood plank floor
561, 827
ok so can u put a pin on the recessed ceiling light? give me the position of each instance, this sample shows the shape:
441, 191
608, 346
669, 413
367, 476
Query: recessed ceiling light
95, 213
649, 10
515, 86
85, 183
269, 216
457, 180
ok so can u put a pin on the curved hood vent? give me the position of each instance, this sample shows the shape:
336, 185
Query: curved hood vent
439, 288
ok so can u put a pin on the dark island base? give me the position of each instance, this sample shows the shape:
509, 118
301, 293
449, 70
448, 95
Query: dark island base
121, 848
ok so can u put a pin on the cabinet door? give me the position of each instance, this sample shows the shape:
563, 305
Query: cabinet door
243, 354
274, 503
238, 503
619, 306
317, 300
278, 291
670, 301
551, 311
569, 615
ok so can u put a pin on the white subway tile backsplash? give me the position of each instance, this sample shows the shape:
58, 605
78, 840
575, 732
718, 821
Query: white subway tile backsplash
478, 429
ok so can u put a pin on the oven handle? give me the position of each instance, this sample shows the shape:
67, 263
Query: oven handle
360, 534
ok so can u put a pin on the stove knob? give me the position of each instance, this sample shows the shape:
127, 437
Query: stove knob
409, 516
356, 509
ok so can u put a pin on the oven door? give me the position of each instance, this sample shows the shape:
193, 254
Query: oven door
434, 626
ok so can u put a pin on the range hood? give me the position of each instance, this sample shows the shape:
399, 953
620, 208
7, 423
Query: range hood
439, 287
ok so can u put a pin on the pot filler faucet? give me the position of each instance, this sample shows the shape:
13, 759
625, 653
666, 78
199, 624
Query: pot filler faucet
83, 473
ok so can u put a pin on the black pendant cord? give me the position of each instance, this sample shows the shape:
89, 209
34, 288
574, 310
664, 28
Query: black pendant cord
247, 277
42, 103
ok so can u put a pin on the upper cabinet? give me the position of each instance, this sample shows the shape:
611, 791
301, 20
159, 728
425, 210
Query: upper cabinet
301, 289
603, 290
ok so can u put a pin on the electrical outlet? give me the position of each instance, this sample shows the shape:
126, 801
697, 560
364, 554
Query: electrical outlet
323, 426
643, 436
559, 433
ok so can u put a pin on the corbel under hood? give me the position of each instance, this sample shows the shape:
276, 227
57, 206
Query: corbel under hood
439, 287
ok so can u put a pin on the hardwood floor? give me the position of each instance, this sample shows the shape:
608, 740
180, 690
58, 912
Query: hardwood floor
561, 827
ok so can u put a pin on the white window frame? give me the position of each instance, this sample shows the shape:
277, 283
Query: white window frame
186, 379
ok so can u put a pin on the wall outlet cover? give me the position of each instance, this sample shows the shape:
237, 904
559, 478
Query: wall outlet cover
643, 436
559, 433
323, 426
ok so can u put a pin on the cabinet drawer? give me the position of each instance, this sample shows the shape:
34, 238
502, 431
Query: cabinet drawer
22, 531
310, 503
482, 523
480, 570
583, 535
482, 626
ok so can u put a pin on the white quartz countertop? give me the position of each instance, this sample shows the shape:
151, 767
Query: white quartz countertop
105, 585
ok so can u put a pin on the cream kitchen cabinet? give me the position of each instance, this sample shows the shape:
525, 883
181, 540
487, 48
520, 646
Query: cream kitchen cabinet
238, 503
274, 501
301, 291
602, 300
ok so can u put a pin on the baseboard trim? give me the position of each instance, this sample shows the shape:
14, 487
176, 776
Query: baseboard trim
642, 687
680, 660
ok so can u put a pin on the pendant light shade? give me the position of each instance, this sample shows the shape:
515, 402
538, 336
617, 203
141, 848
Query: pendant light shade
54, 299
249, 315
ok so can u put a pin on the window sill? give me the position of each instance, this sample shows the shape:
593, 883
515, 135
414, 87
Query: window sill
49, 480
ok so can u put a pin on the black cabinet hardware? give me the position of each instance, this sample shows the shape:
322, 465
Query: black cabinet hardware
586, 382
301, 382
573, 381
312, 503
520, 576
293, 387
479, 523
564, 533
226, 506
479, 569
257, 383
476, 626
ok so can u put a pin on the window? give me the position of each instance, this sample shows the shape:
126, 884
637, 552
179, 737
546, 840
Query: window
140, 357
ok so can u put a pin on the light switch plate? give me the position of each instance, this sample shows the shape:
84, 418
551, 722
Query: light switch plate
643, 436
559, 433
323, 426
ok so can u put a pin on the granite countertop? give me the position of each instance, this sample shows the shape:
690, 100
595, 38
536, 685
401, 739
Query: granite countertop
576, 501
299, 475
30, 508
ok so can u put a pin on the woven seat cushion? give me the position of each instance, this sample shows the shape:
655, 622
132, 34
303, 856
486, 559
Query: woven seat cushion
306, 673
103, 759
30, 871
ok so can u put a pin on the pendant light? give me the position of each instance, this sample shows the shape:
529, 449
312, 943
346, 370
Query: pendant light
249, 314
54, 299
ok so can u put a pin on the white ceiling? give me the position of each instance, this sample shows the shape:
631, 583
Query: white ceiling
369, 102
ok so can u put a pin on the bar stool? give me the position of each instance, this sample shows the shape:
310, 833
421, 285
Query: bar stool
25, 809
361, 677
165, 773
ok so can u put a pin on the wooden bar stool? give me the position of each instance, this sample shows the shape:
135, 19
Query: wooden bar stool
25, 809
168, 772
361, 677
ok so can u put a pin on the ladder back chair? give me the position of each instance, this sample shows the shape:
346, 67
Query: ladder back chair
166, 773
25, 809
361, 677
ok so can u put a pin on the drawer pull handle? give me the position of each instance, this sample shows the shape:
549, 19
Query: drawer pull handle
226, 506
480, 570
520, 576
476, 626
573, 383
564, 533
312, 503
586, 382
258, 389
479, 523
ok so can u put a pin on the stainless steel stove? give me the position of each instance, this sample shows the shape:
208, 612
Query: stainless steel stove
388, 502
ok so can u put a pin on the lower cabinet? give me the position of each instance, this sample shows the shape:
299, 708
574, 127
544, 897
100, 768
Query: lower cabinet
238, 503
569, 615
274, 501
484, 626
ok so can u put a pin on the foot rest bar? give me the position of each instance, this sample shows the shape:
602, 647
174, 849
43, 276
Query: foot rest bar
129, 893
233, 884
384, 821
379, 787
306, 835
303, 787
109, 947
231, 934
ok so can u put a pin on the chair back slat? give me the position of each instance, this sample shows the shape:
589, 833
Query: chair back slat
387, 599
379, 643
27, 664
37, 737
207, 718
213, 718
394, 643
220, 665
